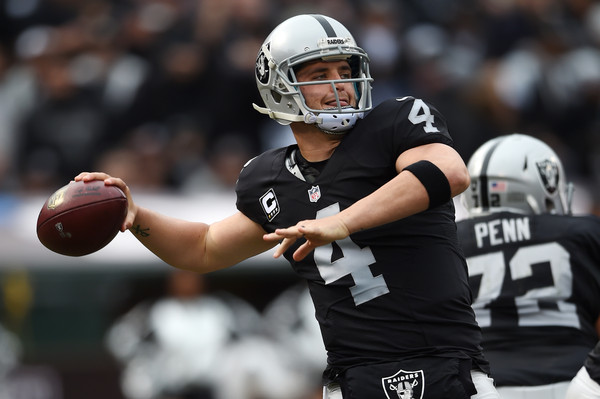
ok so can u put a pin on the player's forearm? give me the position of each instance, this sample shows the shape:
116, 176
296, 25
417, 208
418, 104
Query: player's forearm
177, 242
399, 198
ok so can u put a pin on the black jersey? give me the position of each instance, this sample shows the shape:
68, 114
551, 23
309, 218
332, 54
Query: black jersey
592, 363
536, 287
394, 291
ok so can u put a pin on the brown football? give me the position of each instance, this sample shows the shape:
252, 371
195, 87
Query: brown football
81, 218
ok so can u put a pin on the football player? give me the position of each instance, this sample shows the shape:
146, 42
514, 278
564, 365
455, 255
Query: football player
533, 267
361, 206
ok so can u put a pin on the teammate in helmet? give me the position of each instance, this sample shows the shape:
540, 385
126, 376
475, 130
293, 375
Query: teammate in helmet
361, 206
533, 267
517, 173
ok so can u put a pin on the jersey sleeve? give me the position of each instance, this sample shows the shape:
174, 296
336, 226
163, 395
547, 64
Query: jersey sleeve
244, 189
414, 123
255, 187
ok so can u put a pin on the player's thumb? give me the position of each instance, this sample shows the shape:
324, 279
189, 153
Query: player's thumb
130, 218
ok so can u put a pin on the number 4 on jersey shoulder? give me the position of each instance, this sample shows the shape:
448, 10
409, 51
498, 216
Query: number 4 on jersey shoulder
420, 113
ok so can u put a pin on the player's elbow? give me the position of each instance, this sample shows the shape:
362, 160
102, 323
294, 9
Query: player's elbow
459, 180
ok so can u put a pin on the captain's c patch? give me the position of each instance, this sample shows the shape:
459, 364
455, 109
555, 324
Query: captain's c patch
269, 204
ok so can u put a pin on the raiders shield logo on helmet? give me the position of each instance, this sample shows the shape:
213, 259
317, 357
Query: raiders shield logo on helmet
549, 174
262, 68
404, 385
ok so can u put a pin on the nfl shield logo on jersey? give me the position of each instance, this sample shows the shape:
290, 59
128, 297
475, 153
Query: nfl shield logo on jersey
314, 193
404, 385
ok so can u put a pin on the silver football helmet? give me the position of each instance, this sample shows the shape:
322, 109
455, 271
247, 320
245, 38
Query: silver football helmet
516, 173
305, 38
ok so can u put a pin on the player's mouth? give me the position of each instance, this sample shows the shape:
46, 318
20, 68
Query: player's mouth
334, 104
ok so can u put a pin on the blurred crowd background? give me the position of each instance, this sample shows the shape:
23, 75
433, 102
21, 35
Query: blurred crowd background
160, 92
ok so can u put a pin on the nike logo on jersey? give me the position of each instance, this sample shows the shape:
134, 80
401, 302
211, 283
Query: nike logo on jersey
500, 231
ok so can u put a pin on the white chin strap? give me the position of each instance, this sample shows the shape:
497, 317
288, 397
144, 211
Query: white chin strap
329, 123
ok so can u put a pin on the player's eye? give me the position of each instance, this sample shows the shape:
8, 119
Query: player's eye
320, 76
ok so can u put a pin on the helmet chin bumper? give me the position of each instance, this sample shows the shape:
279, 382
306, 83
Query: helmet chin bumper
334, 123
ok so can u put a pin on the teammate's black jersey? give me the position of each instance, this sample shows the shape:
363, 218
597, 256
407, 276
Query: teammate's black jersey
592, 363
384, 293
536, 288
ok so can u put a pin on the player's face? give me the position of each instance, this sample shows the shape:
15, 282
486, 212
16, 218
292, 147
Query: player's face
323, 96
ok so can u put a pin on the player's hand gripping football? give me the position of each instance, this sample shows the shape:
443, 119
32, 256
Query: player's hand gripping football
113, 181
317, 232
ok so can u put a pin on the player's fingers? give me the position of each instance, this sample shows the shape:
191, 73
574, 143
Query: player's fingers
280, 234
90, 176
308, 230
287, 236
285, 244
272, 237
303, 250
115, 181
80, 176
289, 232
278, 252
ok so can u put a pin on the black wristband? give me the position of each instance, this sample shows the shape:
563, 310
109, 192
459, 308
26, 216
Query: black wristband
434, 181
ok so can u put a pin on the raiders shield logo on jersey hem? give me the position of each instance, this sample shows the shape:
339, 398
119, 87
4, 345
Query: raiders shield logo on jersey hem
404, 385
